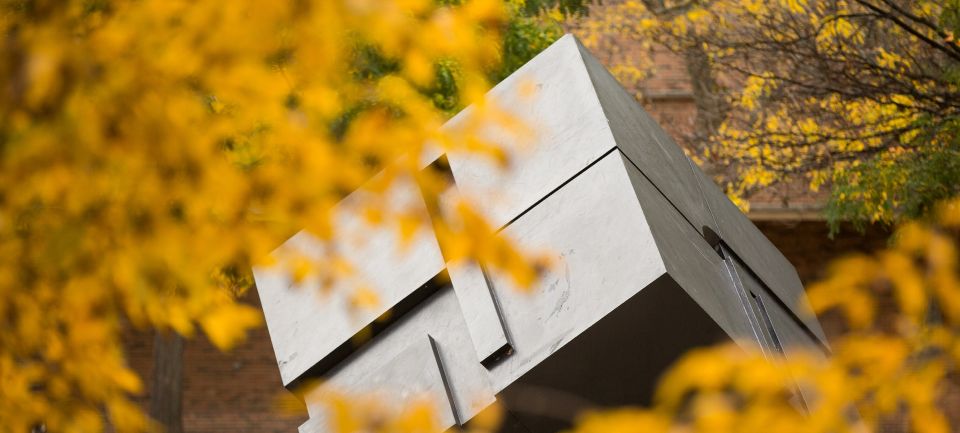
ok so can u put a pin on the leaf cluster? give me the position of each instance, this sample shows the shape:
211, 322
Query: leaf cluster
891, 364
802, 90
904, 182
153, 151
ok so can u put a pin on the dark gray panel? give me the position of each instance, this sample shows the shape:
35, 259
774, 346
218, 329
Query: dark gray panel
793, 340
745, 284
758, 253
691, 261
616, 362
784, 337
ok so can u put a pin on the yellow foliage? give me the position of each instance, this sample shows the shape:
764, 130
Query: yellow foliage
769, 127
881, 372
152, 151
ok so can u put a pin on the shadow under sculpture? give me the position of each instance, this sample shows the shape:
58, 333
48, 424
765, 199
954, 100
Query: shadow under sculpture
652, 260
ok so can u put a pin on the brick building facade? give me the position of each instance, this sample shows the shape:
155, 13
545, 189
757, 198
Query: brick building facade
239, 391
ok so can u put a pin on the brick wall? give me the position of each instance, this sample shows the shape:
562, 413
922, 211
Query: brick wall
234, 392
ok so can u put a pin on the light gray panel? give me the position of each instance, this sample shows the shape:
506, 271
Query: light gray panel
440, 317
306, 326
473, 290
647, 145
758, 253
692, 262
413, 376
479, 308
605, 254
568, 127
313, 425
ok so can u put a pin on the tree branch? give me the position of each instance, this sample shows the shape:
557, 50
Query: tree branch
911, 30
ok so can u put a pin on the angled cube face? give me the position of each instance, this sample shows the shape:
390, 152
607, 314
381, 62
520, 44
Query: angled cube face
650, 259
439, 318
413, 377
747, 242
566, 133
480, 309
310, 326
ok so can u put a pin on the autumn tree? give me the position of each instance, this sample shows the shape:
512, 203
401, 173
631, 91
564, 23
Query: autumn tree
856, 95
152, 151
525, 32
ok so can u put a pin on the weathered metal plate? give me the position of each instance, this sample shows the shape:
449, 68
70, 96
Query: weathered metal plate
758, 253
413, 377
441, 318
554, 97
691, 261
647, 145
306, 323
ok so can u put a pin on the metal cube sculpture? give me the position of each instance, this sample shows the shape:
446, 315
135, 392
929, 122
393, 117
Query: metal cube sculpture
652, 260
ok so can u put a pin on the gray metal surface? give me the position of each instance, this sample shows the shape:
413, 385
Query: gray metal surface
413, 376
480, 309
307, 323
605, 254
745, 285
758, 253
650, 259
647, 145
690, 260
439, 317
784, 336
568, 131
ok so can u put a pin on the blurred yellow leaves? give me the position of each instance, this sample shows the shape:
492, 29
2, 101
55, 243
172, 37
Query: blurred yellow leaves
623, 421
228, 323
152, 151
877, 371
374, 412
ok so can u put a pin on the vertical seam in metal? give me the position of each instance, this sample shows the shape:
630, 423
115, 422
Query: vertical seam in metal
446, 382
744, 301
496, 304
703, 197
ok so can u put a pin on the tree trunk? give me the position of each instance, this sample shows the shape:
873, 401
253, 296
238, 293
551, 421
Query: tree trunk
166, 391
711, 107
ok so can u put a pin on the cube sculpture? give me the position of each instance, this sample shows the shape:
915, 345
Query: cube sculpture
652, 259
